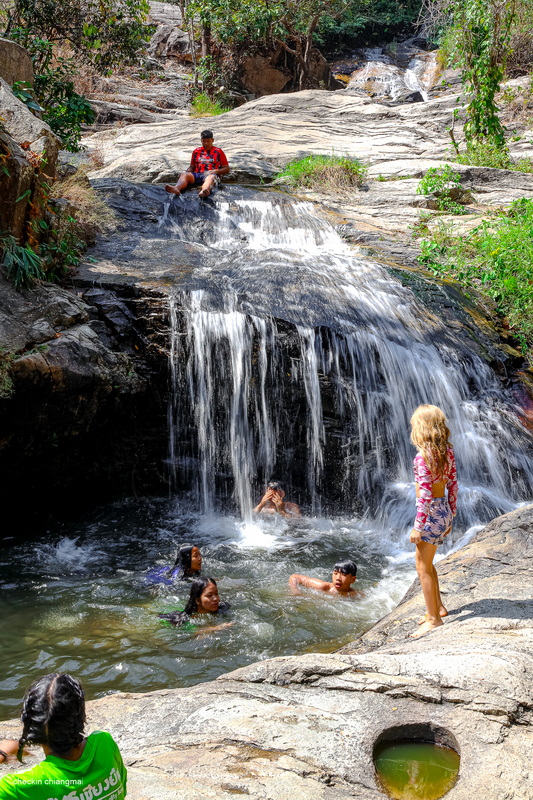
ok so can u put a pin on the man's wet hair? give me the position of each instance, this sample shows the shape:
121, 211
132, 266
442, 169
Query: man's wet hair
347, 567
276, 485
206, 135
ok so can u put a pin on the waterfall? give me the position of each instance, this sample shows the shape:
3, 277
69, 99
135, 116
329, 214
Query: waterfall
300, 361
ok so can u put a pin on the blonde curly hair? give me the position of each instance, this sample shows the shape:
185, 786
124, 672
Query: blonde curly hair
430, 434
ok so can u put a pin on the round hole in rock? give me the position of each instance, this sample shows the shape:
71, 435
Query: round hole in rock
416, 761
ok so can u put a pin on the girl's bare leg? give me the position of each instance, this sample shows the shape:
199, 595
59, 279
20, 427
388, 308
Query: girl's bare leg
425, 553
443, 612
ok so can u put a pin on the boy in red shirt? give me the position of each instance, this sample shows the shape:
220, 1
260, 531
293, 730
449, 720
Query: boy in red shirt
207, 164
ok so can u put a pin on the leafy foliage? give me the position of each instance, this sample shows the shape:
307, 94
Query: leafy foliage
487, 154
365, 23
106, 33
497, 259
64, 109
22, 265
248, 24
61, 106
441, 181
481, 50
103, 33
477, 37
6, 381
23, 91
336, 173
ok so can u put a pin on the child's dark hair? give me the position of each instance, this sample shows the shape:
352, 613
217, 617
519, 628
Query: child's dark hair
198, 586
347, 567
206, 135
53, 713
183, 561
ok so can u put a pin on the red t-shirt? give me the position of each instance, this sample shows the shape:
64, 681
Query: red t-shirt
203, 161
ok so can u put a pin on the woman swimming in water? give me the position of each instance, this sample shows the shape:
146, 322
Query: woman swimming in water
188, 561
188, 564
435, 472
203, 599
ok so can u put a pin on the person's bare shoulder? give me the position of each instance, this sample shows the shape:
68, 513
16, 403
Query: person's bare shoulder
293, 509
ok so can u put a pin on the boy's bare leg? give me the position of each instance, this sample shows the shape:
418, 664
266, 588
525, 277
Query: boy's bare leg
184, 180
207, 186
425, 553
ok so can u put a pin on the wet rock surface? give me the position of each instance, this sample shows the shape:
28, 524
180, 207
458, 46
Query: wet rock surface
399, 143
145, 250
85, 415
305, 725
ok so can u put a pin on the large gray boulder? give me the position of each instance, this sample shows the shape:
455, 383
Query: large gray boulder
265, 134
305, 726
15, 63
25, 128
29, 154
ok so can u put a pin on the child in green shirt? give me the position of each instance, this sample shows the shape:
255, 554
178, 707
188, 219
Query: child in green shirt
75, 767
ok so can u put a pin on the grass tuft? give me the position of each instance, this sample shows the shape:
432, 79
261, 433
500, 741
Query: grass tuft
486, 154
203, 106
335, 174
90, 211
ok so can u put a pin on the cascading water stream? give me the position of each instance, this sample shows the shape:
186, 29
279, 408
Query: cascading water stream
290, 358
354, 339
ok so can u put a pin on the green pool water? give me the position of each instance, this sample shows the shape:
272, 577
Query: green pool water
416, 770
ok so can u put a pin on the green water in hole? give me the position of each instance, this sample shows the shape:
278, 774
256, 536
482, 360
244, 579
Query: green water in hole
416, 770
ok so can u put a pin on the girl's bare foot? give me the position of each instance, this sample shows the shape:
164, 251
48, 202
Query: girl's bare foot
203, 193
426, 626
172, 189
442, 612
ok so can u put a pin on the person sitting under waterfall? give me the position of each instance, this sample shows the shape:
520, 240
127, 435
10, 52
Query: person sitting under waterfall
343, 576
435, 472
188, 564
53, 715
272, 502
208, 163
203, 599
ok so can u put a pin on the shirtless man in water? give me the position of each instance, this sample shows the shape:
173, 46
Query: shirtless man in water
344, 574
272, 502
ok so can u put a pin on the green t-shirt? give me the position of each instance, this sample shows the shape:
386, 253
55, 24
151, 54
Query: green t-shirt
99, 773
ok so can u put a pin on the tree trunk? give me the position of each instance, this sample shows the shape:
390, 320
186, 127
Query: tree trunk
206, 39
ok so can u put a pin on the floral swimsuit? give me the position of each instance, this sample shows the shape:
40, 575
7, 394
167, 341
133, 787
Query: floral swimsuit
434, 514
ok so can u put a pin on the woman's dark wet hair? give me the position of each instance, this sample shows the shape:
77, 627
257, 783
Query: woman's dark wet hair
347, 567
183, 561
198, 586
276, 485
53, 713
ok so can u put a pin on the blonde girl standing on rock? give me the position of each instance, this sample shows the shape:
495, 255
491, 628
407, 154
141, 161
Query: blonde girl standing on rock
435, 472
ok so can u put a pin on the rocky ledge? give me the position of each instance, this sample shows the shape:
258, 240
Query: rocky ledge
398, 143
304, 726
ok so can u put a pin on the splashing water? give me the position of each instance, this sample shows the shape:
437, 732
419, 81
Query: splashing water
303, 360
